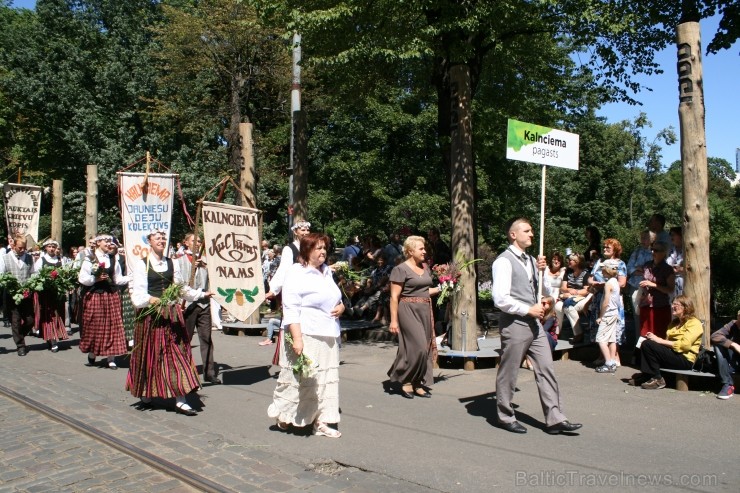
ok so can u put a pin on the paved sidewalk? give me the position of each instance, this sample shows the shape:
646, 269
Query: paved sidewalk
632, 439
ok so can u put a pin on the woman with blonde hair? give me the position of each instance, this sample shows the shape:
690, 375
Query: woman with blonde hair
411, 318
677, 351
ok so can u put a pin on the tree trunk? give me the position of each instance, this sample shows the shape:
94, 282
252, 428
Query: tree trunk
300, 167
234, 138
91, 208
462, 186
694, 165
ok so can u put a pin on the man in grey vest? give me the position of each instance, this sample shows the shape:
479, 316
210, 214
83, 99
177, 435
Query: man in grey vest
515, 294
20, 265
198, 313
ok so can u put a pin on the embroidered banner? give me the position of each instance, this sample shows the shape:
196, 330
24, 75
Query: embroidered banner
232, 250
144, 209
22, 209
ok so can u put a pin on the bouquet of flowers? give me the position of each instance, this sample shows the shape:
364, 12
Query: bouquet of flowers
163, 307
10, 283
303, 364
448, 275
350, 281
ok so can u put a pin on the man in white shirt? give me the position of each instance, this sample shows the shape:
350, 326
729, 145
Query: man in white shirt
20, 265
515, 293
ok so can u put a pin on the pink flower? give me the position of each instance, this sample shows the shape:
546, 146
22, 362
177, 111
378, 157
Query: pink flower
26, 293
54, 274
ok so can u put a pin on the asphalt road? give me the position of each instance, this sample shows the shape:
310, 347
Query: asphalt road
631, 439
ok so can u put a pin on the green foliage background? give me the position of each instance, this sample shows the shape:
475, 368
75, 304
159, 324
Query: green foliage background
104, 81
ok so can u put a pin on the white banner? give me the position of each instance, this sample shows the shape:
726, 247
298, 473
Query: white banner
22, 209
144, 209
232, 249
541, 145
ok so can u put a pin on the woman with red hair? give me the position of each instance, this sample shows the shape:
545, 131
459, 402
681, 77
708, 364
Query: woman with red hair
312, 304
612, 251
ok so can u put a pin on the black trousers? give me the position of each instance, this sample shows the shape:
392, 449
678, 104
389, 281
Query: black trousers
656, 356
199, 318
21, 319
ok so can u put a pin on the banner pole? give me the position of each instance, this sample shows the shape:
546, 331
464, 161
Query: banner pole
542, 225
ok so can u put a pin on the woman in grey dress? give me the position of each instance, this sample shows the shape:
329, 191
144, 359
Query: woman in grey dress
411, 319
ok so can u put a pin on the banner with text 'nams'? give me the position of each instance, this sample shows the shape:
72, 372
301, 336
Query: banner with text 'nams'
145, 207
541, 145
232, 249
22, 209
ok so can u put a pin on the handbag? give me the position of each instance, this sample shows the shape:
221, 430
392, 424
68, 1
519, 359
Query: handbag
706, 361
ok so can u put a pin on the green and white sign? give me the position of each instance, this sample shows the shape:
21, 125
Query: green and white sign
542, 145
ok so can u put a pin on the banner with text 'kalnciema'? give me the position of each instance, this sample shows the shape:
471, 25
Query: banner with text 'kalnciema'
541, 145
146, 206
232, 251
22, 209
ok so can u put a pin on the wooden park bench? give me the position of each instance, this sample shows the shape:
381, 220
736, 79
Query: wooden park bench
682, 377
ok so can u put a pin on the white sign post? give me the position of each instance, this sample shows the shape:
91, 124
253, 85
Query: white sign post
546, 146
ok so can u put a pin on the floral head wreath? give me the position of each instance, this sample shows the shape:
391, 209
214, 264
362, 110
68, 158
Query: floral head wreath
155, 232
102, 237
49, 242
301, 224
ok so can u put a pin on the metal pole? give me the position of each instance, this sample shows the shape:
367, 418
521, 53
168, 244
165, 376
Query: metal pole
295, 106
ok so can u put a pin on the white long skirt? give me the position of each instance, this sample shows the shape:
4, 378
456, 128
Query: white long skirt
303, 400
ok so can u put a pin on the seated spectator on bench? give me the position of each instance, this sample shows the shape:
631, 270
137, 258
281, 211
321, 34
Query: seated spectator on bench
554, 275
726, 342
676, 352
657, 286
574, 295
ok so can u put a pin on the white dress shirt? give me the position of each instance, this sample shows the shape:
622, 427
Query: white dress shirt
140, 284
286, 261
19, 261
87, 278
501, 292
309, 296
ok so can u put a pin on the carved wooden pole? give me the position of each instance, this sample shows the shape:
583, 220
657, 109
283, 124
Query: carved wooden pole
248, 185
694, 164
91, 208
247, 181
462, 186
57, 213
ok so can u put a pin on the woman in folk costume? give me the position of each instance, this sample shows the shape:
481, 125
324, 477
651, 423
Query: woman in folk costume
162, 364
49, 305
101, 305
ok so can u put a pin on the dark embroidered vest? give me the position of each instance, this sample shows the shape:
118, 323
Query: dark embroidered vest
105, 286
157, 282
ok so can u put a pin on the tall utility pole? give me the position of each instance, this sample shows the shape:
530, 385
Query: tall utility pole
298, 140
694, 165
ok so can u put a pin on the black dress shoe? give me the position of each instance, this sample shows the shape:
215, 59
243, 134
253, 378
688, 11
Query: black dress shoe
563, 427
186, 412
22, 351
514, 427
423, 393
407, 395
213, 380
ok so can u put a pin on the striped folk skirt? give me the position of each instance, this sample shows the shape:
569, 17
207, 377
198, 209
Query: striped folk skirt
49, 311
303, 400
162, 363
103, 325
